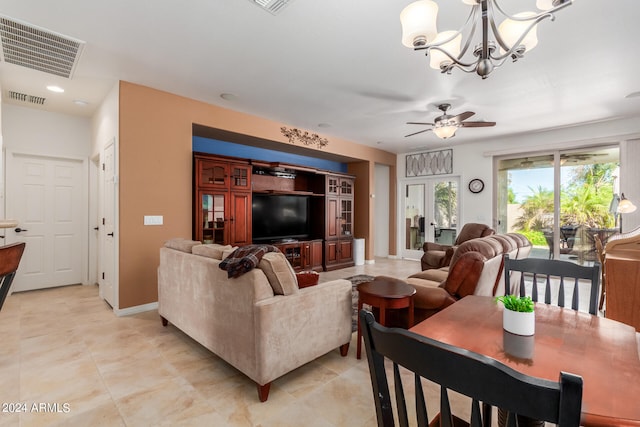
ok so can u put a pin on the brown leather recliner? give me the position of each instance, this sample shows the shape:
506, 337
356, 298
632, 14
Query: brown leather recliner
437, 255
476, 269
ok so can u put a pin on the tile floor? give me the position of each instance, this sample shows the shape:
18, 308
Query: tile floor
66, 359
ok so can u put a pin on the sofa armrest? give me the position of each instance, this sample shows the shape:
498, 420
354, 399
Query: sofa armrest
464, 274
429, 296
448, 255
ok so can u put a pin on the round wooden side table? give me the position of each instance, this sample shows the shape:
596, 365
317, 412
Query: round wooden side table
384, 292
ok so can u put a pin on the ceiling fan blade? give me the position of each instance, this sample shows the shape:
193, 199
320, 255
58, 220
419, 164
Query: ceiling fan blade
420, 123
462, 116
477, 124
415, 133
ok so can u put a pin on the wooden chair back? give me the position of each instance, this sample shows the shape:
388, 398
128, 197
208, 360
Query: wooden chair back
486, 381
603, 283
10, 256
551, 270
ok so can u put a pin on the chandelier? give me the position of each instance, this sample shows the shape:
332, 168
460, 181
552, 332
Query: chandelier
463, 49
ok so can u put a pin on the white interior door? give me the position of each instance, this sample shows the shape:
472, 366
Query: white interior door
107, 284
46, 196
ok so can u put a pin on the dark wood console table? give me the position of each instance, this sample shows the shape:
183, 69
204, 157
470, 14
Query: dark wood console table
303, 255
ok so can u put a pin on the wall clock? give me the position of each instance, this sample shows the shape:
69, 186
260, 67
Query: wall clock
476, 185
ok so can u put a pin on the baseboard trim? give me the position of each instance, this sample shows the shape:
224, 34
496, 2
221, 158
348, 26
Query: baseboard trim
135, 309
370, 261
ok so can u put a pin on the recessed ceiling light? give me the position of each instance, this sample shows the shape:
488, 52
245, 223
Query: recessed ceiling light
80, 102
228, 96
56, 89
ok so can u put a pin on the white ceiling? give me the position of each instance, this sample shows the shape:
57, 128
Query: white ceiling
339, 63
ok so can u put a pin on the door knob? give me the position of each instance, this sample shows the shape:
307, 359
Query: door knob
18, 230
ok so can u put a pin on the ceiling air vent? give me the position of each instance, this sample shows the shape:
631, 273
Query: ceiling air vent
272, 6
23, 97
42, 50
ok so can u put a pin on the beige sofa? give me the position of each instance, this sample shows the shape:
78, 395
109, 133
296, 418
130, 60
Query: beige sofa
261, 322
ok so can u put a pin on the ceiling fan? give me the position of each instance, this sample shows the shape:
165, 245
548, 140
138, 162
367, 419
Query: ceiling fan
445, 126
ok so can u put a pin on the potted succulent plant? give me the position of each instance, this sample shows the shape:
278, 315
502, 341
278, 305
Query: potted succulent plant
518, 315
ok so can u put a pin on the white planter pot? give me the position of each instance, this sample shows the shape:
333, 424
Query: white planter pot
519, 323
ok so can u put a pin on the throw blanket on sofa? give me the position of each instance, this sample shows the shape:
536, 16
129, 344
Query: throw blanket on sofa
245, 259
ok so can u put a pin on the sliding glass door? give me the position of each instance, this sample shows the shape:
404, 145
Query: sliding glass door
430, 214
560, 200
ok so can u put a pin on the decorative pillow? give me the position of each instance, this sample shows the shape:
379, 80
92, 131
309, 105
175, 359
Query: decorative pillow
279, 273
211, 250
307, 278
181, 244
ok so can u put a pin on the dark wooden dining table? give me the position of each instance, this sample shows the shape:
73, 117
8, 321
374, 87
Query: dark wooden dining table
604, 352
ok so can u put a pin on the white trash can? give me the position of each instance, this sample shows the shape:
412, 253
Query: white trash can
358, 251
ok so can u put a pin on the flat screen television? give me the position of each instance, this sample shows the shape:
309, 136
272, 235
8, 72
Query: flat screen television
279, 217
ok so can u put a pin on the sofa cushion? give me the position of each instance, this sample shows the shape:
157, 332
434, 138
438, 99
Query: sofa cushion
279, 273
213, 250
182, 244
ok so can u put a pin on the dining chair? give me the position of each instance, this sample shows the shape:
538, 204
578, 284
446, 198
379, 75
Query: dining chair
551, 271
603, 283
10, 256
486, 381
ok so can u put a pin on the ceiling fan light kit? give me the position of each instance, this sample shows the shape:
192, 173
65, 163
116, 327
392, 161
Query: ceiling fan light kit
463, 49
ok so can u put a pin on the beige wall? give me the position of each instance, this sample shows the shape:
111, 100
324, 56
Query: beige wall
155, 177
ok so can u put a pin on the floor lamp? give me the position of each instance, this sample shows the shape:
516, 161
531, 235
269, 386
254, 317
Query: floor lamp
624, 206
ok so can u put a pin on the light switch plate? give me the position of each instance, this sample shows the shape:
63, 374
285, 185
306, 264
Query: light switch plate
153, 220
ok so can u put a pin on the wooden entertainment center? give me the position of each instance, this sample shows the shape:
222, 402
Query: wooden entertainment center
223, 193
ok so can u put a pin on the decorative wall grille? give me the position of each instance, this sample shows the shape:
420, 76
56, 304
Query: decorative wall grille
429, 163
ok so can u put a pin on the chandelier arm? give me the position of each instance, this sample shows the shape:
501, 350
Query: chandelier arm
471, 21
514, 50
471, 33
494, 29
456, 61
550, 12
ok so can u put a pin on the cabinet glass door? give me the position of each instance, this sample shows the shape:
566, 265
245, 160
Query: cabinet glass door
346, 187
213, 221
213, 174
240, 177
332, 185
346, 218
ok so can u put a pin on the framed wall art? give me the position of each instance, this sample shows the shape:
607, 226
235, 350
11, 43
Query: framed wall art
429, 163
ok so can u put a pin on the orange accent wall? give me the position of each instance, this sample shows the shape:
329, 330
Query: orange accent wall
155, 155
